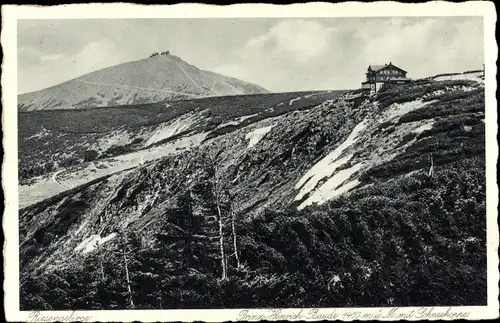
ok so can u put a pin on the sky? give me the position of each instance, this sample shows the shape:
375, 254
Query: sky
279, 54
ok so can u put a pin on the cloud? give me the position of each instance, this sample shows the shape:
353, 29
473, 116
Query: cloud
54, 68
28, 56
51, 57
290, 54
334, 54
95, 56
296, 40
278, 54
234, 70
425, 46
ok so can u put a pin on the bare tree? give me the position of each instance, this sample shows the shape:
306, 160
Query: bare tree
211, 159
234, 233
188, 246
431, 169
100, 255
127, 276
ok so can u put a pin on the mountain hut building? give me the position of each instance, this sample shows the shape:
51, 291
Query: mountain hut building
382, 76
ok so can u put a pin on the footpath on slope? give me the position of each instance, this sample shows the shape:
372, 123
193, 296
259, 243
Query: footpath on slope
215, 81
54, 178
189, 76
138, 88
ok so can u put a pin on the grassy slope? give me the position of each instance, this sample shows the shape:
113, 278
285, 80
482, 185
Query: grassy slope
67, 134
407, 239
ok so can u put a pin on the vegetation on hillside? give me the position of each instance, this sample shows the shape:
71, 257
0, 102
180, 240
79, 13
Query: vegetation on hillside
53, 139
412, 234
404, 242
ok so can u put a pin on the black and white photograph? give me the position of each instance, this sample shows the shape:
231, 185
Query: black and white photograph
251, 163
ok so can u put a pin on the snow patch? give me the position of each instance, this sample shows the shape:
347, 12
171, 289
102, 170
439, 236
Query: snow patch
229, 123
133, 159
256, 135
170, 129
423, 127
397, 110
45, 187
435, 93
241, 119
314, 94
462, 88
38, 191
471, 239
477, 76
293, 100
326, 166
80, 228
236, 122
115, 138
92, 242
333, 187
334, 281
43, 133
327, 103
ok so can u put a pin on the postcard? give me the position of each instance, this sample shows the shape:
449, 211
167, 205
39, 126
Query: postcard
250, 162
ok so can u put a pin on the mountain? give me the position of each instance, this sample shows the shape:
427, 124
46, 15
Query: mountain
325, 199
155, 79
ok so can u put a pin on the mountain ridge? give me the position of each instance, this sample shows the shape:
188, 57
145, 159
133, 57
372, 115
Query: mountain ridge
149, 80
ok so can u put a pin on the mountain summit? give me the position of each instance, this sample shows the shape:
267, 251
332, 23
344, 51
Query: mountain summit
154, 79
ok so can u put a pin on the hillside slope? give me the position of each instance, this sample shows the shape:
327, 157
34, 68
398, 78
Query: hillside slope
334, 203
154, 79
60, 149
